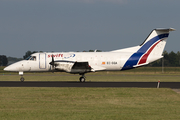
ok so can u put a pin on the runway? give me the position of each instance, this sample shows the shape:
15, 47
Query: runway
88, 84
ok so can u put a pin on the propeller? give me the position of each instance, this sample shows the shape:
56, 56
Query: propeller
52, 63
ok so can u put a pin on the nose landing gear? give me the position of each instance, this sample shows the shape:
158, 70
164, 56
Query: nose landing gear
22, 78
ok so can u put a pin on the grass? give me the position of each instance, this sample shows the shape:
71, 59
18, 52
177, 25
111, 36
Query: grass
89, 103
94, 77
33, 103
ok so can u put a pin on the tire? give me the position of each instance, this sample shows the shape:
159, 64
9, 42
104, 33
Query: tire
22, 79
82, 79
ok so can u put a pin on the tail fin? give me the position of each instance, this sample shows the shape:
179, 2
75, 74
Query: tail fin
153, 47
150, 50
157, 35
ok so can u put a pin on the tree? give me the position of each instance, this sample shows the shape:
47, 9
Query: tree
170, 60
173, 60
28, 53
95, 51
178, 58
3, 60
166, 58
91, 50
13, 60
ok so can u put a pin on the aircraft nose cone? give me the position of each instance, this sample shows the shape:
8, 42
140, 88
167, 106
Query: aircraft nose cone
18, 66
10, 68
7, 68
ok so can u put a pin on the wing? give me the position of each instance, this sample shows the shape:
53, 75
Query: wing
72, 66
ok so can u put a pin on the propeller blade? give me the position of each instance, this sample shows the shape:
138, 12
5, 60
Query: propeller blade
52, 58
52, 62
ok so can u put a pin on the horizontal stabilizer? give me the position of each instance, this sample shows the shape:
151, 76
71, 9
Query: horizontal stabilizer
141, 65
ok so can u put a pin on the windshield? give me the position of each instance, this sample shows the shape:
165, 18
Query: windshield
33, 58
28, 57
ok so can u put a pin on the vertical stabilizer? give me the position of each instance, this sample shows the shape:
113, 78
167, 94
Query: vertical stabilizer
150, 50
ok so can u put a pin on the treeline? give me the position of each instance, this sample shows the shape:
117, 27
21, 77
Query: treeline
4, 61
169, 60
13, 60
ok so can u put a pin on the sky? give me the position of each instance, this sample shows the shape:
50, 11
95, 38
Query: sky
78, 25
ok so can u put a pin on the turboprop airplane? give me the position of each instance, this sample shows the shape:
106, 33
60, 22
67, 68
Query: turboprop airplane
83, 62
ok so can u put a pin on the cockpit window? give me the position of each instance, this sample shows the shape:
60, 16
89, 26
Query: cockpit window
28, 57
33, 58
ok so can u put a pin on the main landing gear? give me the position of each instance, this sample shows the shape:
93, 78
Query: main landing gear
82, 78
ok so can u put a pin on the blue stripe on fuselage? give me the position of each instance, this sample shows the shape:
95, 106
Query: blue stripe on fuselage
136, 56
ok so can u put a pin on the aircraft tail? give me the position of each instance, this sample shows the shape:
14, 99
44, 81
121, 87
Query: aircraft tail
150, 50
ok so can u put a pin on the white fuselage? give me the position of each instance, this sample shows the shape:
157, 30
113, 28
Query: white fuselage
97, 60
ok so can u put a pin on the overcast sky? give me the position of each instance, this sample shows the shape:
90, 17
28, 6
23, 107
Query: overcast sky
77, 25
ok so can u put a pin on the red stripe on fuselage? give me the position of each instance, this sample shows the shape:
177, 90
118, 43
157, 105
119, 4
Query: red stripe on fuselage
145, 56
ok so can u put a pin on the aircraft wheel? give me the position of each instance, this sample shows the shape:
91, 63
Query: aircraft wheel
22, 79
82, 79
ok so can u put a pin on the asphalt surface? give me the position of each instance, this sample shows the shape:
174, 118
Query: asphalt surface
89, 84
